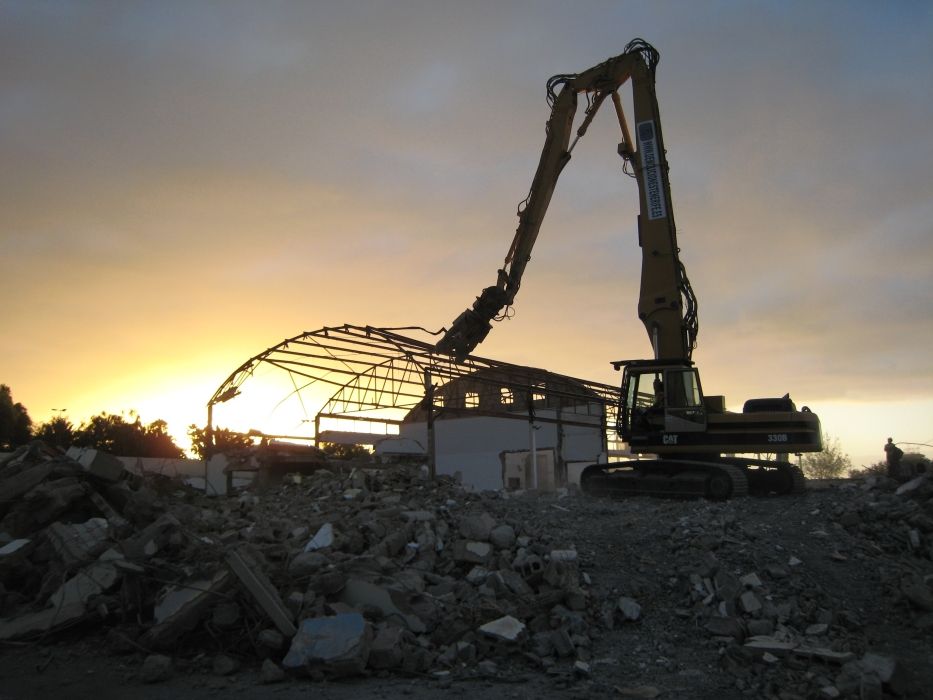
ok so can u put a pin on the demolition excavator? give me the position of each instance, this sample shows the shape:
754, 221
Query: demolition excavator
685, 443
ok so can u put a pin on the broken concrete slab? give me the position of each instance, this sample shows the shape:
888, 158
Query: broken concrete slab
244, 566
13, 487
41, 622
782, 648
90, 581
99, 464
119, 526
181, 608
13, 548
78, 543
339, 645
150, 539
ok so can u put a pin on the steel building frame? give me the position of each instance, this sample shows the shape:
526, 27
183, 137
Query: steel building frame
380, 376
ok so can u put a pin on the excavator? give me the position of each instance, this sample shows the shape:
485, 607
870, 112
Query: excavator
685, 443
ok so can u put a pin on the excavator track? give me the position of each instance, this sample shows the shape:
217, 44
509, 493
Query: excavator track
769, 477
727, 477
666, 478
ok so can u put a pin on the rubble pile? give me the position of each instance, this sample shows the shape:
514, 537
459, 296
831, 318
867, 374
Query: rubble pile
350, 572
339, 574
782, 625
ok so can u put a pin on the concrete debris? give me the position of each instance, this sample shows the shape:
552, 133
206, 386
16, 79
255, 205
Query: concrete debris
96, 463
506, 629
246, 568
382, 572
339, 644
323, 539
182, 607
629, 608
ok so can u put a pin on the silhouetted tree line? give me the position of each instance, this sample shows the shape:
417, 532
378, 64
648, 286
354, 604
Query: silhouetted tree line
106, 432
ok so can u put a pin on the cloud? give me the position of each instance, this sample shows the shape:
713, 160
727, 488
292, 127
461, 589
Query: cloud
192, 179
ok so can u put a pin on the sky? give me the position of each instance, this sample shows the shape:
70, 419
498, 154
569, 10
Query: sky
185, 184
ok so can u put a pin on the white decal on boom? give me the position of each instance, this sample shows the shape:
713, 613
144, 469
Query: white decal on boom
651, 170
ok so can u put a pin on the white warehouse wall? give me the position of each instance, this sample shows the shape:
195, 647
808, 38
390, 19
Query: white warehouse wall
473, 446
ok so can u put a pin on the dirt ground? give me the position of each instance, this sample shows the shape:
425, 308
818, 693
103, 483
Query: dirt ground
834, 564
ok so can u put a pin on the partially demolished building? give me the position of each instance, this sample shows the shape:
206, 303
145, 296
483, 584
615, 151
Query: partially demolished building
477, 417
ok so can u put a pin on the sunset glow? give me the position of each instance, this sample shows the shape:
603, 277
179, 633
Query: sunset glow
186, 185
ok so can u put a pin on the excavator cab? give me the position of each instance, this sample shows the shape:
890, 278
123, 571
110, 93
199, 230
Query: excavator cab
659, 400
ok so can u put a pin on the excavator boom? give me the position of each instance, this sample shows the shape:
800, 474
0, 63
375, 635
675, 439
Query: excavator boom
666, 305
683, 442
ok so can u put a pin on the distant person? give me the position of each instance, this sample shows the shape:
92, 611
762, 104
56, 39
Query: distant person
892, 455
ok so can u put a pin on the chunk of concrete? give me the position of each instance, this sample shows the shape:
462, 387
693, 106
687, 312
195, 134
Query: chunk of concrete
12, 487
629, 608
339, 645
100, 464
78, 543
392, 604
90, 581
472, 552
322, 539
506, 629
782, 648
477, 526
38, 623
565, 556
10, 549
502, 537
749, 602
888, 670
307, 563
388, 648
151, 538
181, 608
251, 576
725, 627
908, 488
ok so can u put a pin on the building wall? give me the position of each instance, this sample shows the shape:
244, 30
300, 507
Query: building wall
473, 446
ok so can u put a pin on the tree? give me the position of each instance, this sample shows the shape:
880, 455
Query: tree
224, 440
111, 433
15, 423
341, 451
831, 463
58, 432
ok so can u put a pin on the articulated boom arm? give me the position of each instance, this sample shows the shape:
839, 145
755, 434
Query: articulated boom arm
666, 305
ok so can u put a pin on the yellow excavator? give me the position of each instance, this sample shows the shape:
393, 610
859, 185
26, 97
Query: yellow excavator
687, 444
